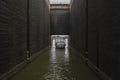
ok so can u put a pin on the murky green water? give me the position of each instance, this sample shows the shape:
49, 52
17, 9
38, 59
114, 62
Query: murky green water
57, 64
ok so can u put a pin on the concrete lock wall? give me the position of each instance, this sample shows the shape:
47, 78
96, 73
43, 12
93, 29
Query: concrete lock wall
78, 25
39, 25
12, 33
13, 30
103, 33
60, 21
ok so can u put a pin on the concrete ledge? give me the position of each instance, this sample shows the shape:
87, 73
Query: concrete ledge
13, 71
17, 68
98, 72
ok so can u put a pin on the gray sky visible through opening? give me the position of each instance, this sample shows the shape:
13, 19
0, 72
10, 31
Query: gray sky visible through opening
59, 1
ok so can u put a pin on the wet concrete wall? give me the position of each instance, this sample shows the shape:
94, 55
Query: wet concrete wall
13, 30
103, 33
60, 22
78, 25
39, 25
12, 33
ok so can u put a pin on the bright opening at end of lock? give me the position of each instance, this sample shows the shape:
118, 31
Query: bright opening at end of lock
57, 38
59, 1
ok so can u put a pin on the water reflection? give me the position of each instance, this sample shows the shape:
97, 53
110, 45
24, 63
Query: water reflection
53, 55
66, 54
59, 61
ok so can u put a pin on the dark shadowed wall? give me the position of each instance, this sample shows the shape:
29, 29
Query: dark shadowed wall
103, 30
78, 25
13, 30
60, 22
